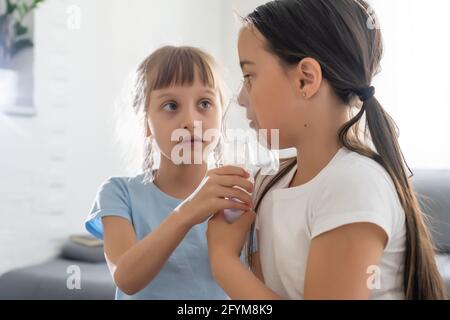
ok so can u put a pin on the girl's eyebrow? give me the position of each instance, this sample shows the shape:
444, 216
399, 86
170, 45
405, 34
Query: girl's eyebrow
246, 62
173, 95
210, 91
165, 95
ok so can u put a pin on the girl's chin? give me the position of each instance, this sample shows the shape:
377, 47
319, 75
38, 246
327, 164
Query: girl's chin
253, 125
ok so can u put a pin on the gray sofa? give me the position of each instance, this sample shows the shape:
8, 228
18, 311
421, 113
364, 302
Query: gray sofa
56, 279
433, 189
48, 280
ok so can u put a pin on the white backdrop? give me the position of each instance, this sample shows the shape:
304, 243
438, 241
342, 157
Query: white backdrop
414, 83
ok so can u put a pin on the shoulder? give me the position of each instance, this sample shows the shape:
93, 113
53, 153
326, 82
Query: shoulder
123, 183
121, 187
358, 174
356, 189
112, 199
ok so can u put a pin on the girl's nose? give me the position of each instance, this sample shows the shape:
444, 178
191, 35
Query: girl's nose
242, 98
190, 118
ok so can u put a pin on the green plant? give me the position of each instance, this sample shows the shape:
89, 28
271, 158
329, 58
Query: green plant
13, 33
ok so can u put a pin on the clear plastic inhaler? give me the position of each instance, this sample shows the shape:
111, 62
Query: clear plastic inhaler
239, 156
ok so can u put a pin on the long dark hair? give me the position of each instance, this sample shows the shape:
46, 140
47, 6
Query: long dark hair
342, 35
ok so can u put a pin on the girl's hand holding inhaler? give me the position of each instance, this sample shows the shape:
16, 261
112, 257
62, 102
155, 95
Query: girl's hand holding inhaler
214, 194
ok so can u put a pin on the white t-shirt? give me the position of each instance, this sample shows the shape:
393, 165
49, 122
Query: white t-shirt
350, 189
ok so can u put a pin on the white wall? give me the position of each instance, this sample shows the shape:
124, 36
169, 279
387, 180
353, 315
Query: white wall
413, 85
52, 164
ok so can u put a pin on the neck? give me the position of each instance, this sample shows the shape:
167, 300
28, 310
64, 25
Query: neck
179, 181
319, 147
312, 159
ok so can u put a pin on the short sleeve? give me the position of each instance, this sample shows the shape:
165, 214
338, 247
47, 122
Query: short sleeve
363, 193
112, 199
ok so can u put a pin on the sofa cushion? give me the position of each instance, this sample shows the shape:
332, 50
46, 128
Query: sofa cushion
433, 190
79, 252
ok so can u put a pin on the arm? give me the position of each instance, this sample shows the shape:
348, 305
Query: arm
133, 264
338, 261
239, 282
225, 242
129, 261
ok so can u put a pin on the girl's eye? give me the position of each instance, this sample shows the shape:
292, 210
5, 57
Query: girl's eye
171, 107
205, 104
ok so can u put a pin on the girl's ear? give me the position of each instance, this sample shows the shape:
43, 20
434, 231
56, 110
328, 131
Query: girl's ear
309, 77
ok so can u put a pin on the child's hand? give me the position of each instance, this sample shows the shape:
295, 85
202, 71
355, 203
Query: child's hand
225, 239
209, 197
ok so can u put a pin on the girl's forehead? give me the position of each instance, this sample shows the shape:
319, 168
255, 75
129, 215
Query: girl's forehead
250, 42
249, 33
195, 87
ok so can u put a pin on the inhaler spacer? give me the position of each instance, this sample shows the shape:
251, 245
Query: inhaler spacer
239, 158
231, 215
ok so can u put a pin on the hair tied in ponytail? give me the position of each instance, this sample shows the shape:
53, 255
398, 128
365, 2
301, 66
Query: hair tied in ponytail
366, 93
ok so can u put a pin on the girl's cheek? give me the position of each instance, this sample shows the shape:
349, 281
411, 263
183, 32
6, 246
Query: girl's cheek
215, 120
260, 108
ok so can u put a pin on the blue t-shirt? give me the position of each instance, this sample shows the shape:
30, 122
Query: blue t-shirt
187, 273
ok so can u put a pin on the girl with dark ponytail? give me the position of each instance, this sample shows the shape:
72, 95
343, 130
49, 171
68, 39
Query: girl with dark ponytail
341, 220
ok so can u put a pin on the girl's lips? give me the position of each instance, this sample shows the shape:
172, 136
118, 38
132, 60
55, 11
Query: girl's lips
191, 140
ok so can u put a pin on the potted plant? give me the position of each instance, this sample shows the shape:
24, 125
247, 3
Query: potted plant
14, 38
